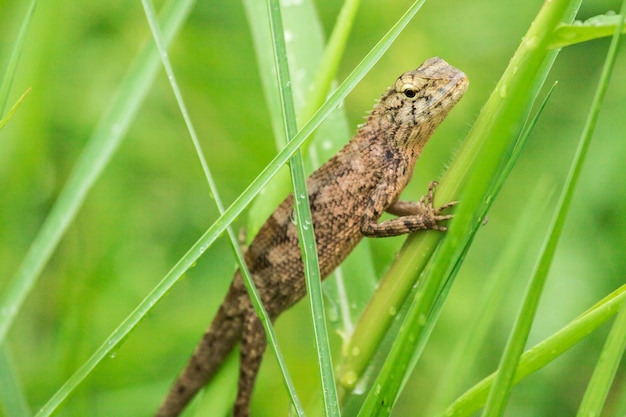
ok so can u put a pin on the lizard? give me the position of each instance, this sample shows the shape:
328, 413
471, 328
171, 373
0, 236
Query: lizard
347, 195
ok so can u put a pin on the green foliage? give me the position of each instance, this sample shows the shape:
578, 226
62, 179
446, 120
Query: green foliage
107, 218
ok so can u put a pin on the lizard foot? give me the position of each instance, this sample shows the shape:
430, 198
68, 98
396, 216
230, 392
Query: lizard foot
434, 213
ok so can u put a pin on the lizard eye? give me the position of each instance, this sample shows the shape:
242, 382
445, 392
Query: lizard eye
409, 90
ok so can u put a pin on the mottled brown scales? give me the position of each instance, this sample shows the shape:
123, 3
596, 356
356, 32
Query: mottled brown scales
348, 194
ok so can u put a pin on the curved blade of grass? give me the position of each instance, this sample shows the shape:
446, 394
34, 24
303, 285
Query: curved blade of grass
578, 32
18, 46
303, 216
500, 391
543, 353
477, 162
613, 350
254, 294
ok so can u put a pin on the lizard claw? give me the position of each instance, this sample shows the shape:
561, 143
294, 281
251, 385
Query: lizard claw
429, 203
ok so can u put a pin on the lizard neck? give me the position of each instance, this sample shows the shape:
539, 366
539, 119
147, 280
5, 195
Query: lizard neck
400, 141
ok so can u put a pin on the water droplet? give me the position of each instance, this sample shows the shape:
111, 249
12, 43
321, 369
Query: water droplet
355, 351
393, 311
531, 42
503, 90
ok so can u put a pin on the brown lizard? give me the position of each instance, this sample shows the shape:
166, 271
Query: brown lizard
348, 194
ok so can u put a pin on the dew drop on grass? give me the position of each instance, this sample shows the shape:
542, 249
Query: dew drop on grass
503, 90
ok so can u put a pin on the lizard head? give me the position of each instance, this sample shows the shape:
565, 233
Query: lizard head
418, 102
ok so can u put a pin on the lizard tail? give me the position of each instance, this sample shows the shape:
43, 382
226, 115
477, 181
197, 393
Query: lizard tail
220, 338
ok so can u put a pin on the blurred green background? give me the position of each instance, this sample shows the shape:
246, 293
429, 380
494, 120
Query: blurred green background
152, 202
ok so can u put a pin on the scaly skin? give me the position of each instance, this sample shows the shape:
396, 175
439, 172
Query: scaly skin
348, 194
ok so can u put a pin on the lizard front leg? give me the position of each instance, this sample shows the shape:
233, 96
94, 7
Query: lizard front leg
253, 343
413, 216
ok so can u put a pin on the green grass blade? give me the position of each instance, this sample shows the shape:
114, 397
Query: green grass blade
477, 162
468, 348
543, 353
303, 216
254, 294
578, 32
613, 350
499, 277
332, 58
501, 389
98, 152
9, 75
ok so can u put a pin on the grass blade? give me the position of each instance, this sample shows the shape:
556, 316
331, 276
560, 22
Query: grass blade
9, 75
479, 160
467, 350
500, 391
303, 215
613, 350
543, 353
593, 28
